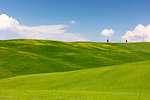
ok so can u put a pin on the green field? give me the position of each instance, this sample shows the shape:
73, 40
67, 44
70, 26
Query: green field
54, 70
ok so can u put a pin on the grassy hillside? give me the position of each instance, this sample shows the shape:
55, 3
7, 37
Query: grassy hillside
19, 57
81, 70
119, 82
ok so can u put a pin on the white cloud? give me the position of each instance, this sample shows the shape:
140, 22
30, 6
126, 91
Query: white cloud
73, 22
11, 29
7, 22
139, 34
107, 32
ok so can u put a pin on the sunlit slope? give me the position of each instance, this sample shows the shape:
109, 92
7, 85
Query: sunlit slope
22, 56
119, 82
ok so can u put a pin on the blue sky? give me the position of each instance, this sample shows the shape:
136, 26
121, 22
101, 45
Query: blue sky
91, 17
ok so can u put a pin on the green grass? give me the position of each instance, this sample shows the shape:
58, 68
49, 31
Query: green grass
20, 57
55, 70
119, 82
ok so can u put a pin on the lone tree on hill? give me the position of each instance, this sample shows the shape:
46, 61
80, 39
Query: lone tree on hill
107, 40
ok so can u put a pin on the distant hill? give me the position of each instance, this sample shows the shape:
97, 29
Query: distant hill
27, 56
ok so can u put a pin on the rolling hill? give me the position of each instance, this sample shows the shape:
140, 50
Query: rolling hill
25, 56
55, 70
118, 82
